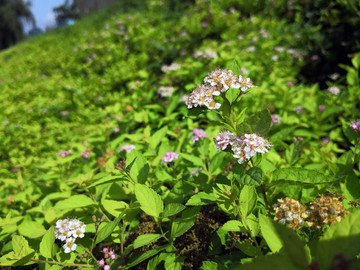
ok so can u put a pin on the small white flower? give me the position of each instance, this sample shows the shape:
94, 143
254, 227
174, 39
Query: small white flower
69, 245
334, 90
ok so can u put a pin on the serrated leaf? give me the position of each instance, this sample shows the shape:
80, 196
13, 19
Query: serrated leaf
157, 137
105, 180
75, 201
233, 226
342, 237
115, 208
143, 240
47, 244
150, 202
31, 229
20, 246
108, 229
252, 177
183, 224
248, 199
281, 238
173, 262
260, 122
172, 209
300, 176
139, 168
146, 255
201, 198
196, 161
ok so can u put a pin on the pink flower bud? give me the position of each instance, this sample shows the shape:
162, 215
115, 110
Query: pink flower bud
112, 257
111, 253
105, 250
107, 267
101, 263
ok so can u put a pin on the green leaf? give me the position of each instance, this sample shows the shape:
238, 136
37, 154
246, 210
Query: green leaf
146, 255
115, 208
269, 262
150, 202
225, 198
201, 198
31, 229
21, 255
172, 209
105, 180
108, 229
281, 238
253, 177
196, 161
183, 224
47, 244
248, 249
139, 168
260, 122
217, 161
143, 240
233, 226
356, 61
300, 176
157, 137
248, 199
342, 237
208, 265
75, 201
21, 246
173, 262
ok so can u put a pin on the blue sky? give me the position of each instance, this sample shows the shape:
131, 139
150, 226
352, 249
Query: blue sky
42, 10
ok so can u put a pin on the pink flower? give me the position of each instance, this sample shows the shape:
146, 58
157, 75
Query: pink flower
325, 140
64, 153
315, 57
204, 24
322, 108
127, 147
289, 83
299, 109
86, 153
105, 250
111, 253
275, 118
223, 140
112, 257
107, 267
356, 125
102, 262
198, 134
169, 157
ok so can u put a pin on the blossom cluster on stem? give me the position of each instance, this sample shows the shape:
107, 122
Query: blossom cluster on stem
108, 257
169, 157
243, 148
217, 82
198, 133
69, 230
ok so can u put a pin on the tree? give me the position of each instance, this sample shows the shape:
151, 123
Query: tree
65, 12
12, 15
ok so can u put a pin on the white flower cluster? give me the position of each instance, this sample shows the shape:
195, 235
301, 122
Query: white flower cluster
208, 54
68, 230
244, 147
172, 67
215, 83
165, 91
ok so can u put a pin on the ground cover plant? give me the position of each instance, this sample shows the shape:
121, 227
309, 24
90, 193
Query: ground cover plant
177, 136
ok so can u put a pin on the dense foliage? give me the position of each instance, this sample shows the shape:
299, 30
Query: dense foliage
134, 139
